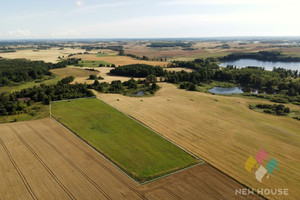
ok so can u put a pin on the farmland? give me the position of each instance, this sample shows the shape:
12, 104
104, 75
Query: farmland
49, 55
118, 60
222, 130
42, 160
81, 74
136, 149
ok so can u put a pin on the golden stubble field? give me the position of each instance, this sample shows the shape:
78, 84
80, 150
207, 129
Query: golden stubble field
223, 131
49, 55
42, 160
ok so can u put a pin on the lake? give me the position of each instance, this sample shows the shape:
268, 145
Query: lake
267, 65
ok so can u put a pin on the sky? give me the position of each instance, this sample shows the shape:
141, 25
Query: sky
69, 19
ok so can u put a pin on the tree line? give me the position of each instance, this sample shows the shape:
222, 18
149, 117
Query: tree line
18, 102
137, 70
274, 56
14, 71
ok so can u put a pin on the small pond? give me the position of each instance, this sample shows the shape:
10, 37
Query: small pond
140, 93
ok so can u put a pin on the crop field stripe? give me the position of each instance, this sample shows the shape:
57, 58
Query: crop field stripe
168, 174
94, 149
69, 161
44, 164
18, 170
171, 193
98, 162
144, 125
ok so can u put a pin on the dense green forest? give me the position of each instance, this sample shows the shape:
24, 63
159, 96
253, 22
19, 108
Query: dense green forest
274, 56
277, 109
130, 87
18, 102
138, 70
281, 83
15, 71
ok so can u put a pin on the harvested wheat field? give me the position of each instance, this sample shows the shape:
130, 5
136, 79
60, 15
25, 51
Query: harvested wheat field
104, 73
73, 71
119, 60
49, 55
223, 131
178, 69
42, 160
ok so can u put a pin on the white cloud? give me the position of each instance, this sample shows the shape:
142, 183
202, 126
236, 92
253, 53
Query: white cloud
66, 33
20, 33
96, 7
227, 2
79, 3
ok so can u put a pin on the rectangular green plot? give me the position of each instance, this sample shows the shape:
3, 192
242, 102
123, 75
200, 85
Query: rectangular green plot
140, 152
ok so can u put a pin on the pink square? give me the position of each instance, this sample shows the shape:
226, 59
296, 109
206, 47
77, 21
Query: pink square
260, 156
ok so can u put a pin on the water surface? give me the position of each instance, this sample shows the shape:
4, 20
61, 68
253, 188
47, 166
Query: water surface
241, 63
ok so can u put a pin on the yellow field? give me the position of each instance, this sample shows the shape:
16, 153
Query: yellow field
73, 71
223, 131
42, 160
50, 55
119, 60
103, 72
178, 69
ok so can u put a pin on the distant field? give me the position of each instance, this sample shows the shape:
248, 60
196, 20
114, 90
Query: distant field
178, 69
49, 55
223, 131
73, 71
118, 60
139, 151
200, 50
87, 63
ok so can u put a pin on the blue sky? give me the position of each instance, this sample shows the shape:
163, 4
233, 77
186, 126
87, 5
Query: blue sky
145, 18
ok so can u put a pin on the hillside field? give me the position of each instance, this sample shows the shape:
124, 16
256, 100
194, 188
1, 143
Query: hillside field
140, 152
223, 131
119, 60
42, 160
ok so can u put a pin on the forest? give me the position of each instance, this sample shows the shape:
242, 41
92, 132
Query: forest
130, 87
18, 102
15, 71
274, 56
283, 84
138, 70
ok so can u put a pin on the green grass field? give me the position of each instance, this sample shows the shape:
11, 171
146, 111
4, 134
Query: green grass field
87, 63
35, 111
142, 153
29, 85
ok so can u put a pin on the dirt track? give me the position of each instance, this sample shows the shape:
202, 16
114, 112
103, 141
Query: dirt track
42, 160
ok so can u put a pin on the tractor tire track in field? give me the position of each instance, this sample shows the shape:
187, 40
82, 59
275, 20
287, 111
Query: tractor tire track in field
19, 171
101, 164
171, 193
44, 164
70, 162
